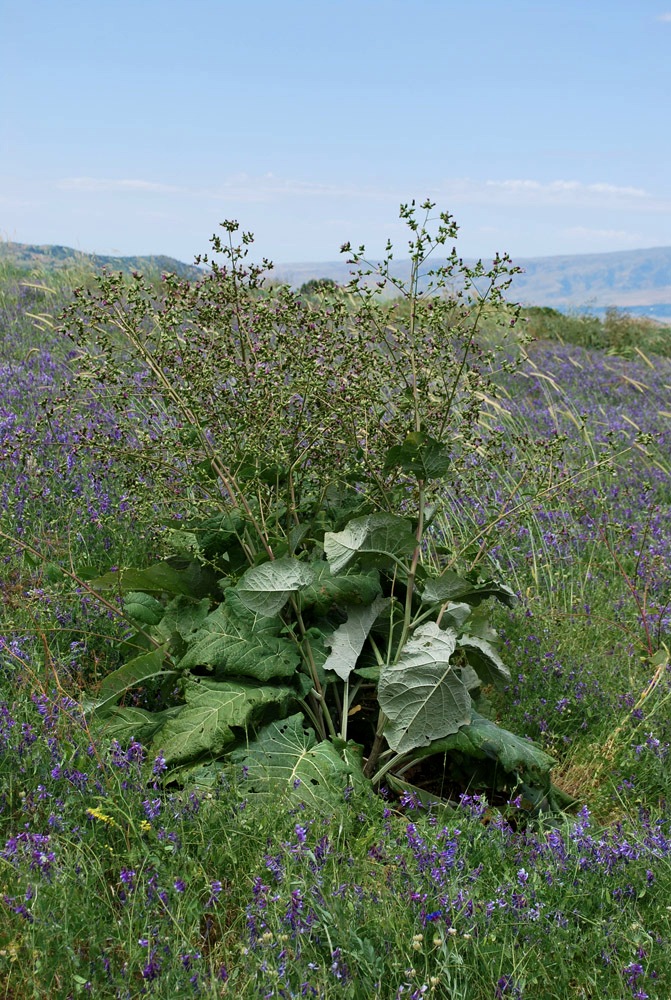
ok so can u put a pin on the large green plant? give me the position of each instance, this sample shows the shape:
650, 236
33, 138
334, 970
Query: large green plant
309, 443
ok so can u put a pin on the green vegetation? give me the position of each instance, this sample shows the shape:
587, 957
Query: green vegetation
53, 263
316, 285
258, 733
618, 333
301, 584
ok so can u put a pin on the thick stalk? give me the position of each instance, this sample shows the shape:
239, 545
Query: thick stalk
344, 710
369, 766
378, 743
306, 649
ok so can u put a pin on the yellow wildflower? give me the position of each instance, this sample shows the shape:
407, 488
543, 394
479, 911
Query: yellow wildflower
95, 812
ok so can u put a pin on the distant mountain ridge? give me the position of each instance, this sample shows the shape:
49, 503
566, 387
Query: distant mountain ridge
634, 280
51, 258
620, 278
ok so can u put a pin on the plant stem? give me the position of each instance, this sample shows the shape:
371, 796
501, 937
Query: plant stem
386, 768
306, 650
344, 710
378, 742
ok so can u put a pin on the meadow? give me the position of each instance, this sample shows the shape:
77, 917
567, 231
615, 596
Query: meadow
495, 483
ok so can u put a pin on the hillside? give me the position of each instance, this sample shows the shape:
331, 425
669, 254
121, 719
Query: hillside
622, 278
638, 281
52, 258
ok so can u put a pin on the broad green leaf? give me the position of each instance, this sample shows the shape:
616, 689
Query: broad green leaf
184, 542
368, 673
302, 684
422, 695
478, 625
199, 581
220, 548
484, 659
131, 723
265, 589
159, 578
375, 534
297, 534
235, 641
449, 586
483, 739
134, 645
209, 536
143, 608
455, 615
352, 755
183, 616
421, 456
347, 641
286, 759
213, 710
388, 629
327, 590
142, 668
469, 677
490, 588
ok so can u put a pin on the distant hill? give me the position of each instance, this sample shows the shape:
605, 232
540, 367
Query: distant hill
634, 280
622, 278
54, 258
638, 281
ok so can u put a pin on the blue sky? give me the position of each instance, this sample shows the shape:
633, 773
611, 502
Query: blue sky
136, 126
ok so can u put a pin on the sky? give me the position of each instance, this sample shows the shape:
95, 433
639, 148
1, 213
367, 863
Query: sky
137, 126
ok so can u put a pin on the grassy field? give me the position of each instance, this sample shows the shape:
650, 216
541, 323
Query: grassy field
117, 883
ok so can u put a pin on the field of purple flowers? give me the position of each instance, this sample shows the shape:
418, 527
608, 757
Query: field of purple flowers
113, 886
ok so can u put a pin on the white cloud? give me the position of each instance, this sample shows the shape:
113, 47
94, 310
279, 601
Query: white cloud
561, 190
619, 235
269, 189
665, 17
530, 193
242, 187
95, 184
